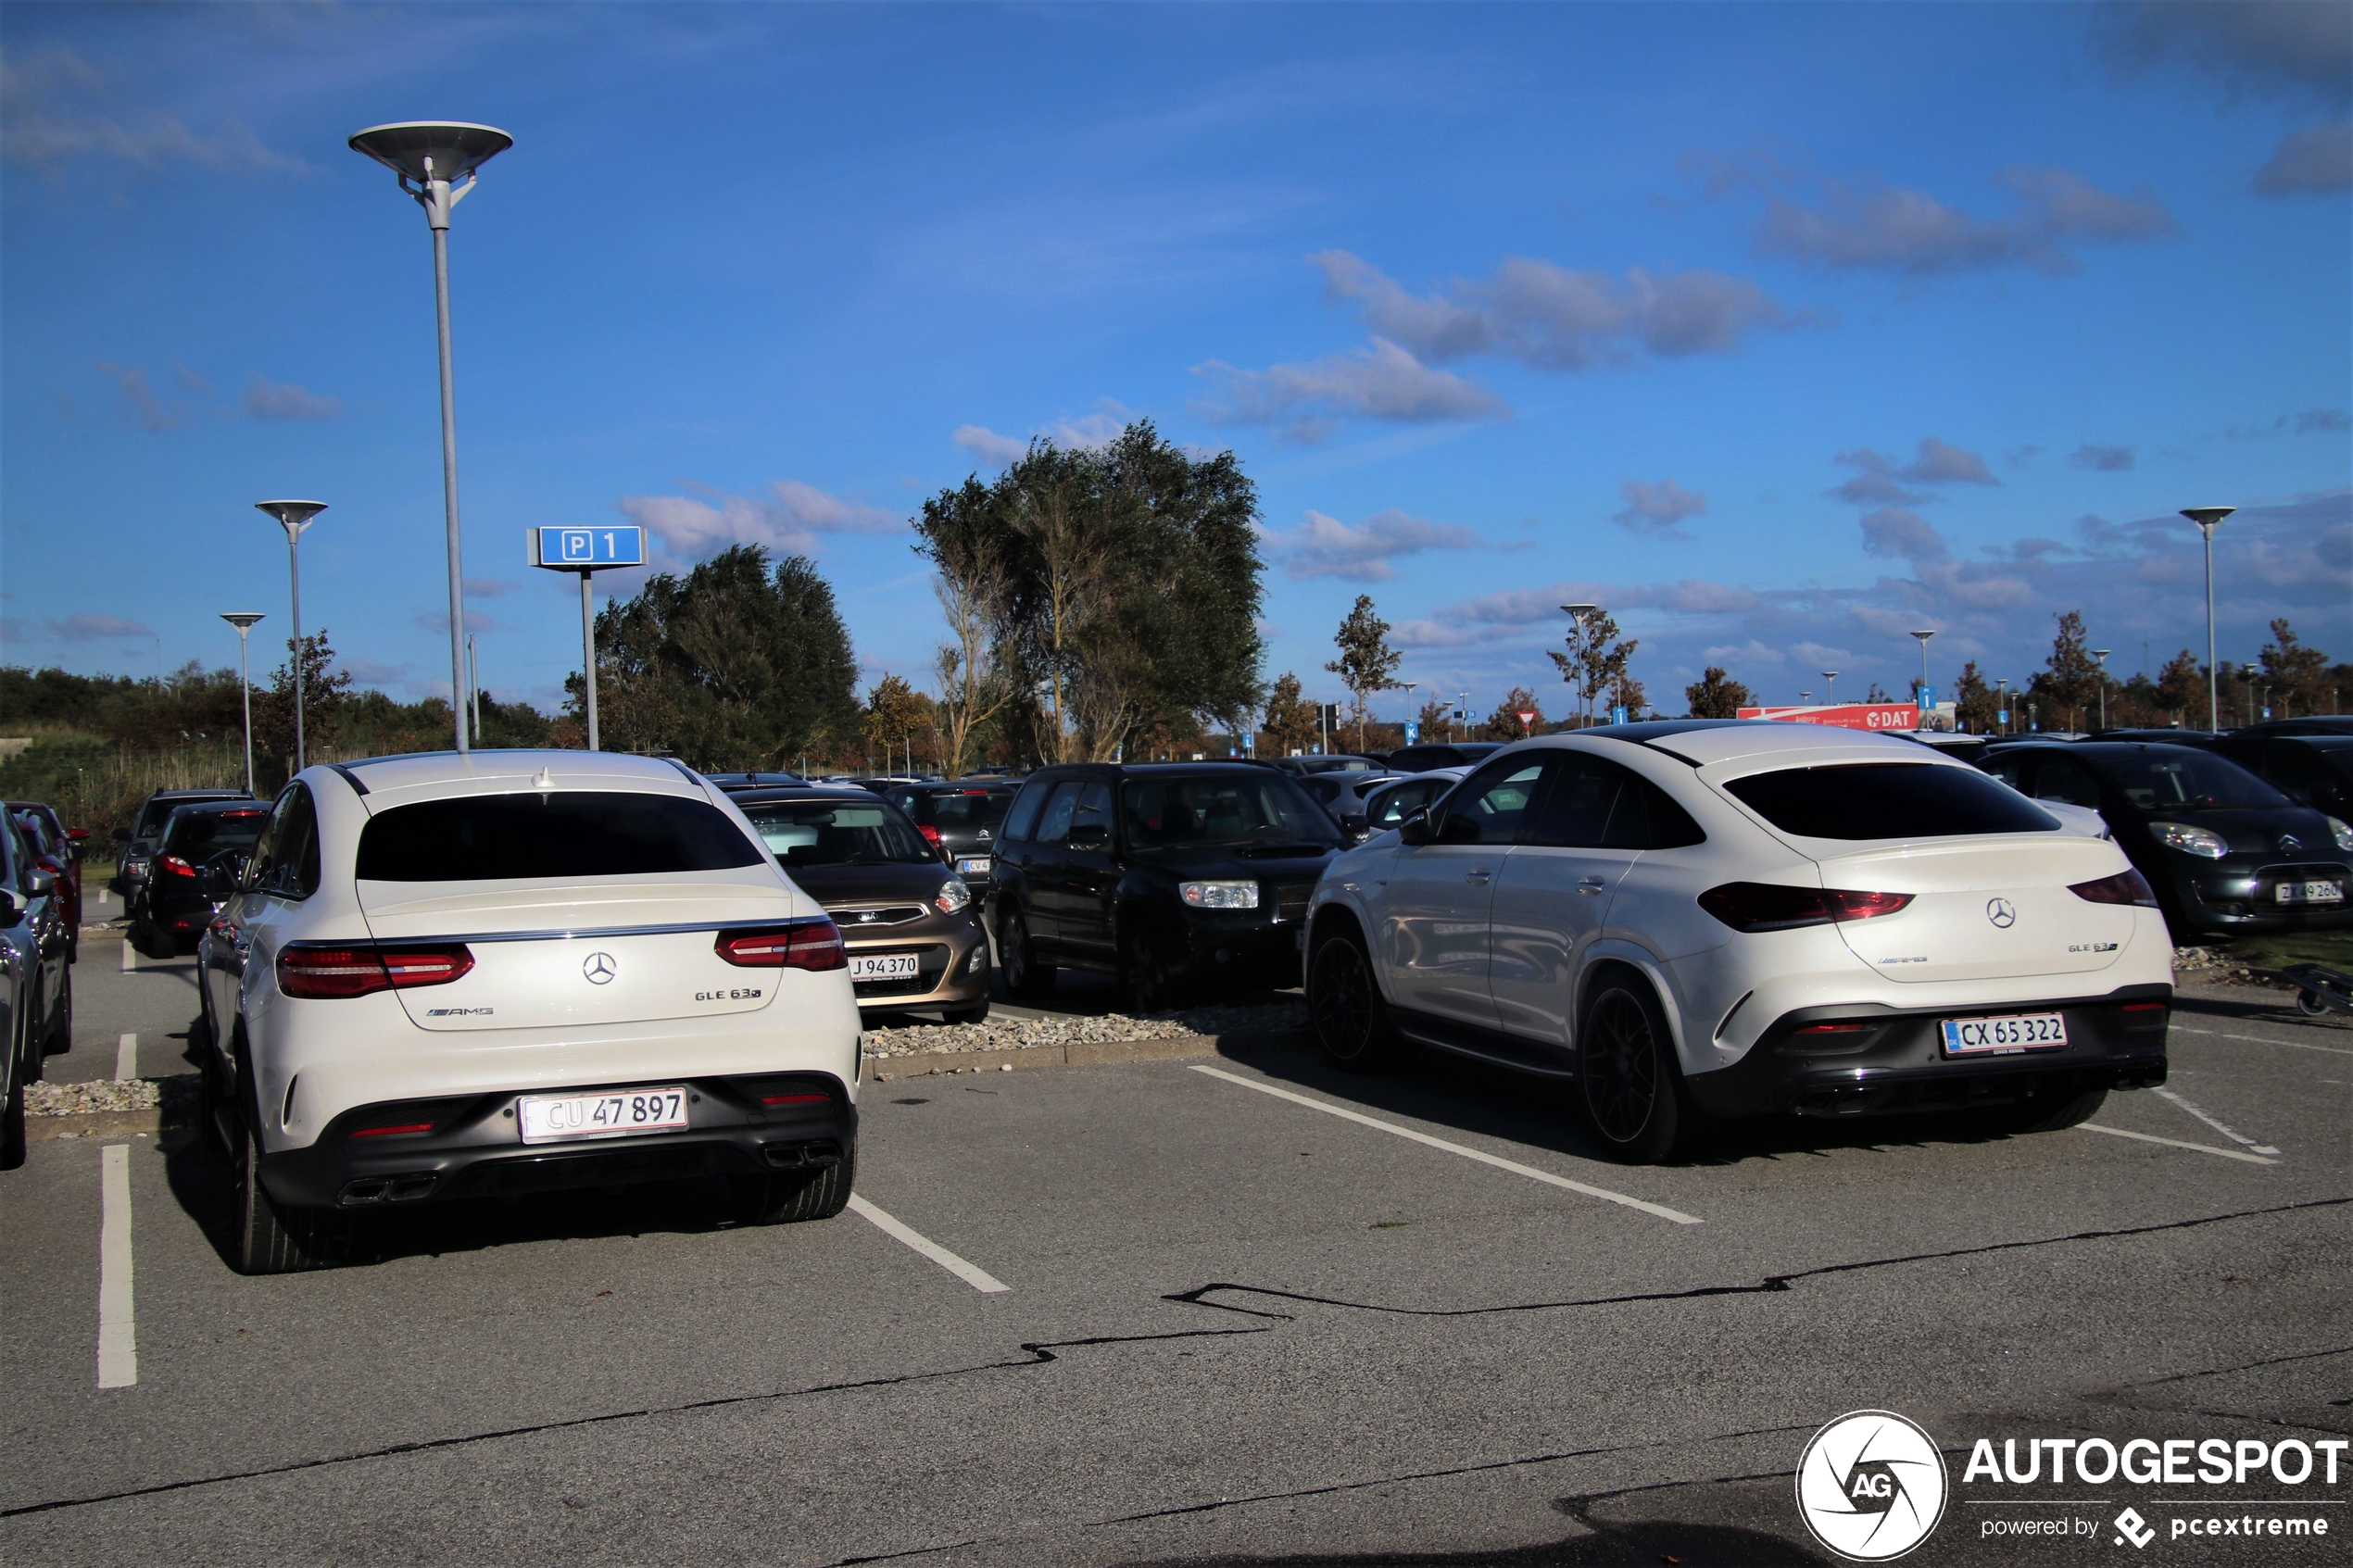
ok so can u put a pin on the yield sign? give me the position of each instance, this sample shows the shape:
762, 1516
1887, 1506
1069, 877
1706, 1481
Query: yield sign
1527, 720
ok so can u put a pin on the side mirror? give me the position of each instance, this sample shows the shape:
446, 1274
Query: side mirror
42, 876
1415, 828
77, 835
1089, 835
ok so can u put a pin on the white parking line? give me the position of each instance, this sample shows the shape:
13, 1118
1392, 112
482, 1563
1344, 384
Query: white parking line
2211, 1121
2261, 1040
129, 959
980, 1279
117, 1328
2175, 1143
1484, 1157
126, 1058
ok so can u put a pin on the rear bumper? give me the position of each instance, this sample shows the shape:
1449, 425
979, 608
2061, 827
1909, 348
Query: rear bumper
474, 1150
1896, 1063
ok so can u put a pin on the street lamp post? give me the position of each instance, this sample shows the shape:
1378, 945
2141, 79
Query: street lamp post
1409, 686
473, 687
294, 517
1922, 692
1830, 691
244, 621
436, 164
2101, 653
2002, 703
1577, 614
2208, 518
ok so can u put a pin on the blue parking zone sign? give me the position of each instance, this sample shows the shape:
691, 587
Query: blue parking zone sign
586, 550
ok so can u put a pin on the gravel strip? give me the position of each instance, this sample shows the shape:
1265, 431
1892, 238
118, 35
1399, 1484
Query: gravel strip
81, 1099
1013, 1033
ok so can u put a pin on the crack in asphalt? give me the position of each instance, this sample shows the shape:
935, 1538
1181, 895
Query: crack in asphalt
1040, 1353
1770, 1285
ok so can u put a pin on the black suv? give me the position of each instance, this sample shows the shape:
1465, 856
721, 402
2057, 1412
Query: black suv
197, 859
961, 820
1437, 754
139, 839
1175, 877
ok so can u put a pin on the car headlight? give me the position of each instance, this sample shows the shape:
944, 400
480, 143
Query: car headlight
2343, 835
2204, 842
1219, 895
953, 898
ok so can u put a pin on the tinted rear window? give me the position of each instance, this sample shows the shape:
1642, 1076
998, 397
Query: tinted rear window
838, 832
1888, 800
2176, 779
193, 836
565, 834
962, 808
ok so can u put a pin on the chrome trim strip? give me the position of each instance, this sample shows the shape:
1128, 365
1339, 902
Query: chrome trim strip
583, 934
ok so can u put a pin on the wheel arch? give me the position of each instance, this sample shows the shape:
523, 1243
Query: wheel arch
1644, 969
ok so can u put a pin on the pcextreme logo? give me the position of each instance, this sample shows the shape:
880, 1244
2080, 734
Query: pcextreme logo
1871, 1485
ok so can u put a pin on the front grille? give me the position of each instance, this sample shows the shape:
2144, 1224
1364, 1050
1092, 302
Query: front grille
1290, 901
854, 920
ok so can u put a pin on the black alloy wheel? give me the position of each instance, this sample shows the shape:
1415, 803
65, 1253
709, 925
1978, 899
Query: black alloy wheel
1346, 1008
1633, 1093
12, 1107
60, 1039
1024, 976
267, 1239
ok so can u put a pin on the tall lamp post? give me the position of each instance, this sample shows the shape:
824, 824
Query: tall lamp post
1830, 690
435, 162
294, 517
2207, 519
1923, 693
2002, 703
1409, 686
1577, 614
2101, 653
244, 620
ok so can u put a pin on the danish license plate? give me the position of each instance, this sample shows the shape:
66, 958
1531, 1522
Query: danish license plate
556, 1118
1999, 1036
883, 966
2311, 892
973, 865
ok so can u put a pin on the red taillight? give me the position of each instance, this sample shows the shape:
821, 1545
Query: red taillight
811, 944
336, 973
931, 834
388, 1132
1768, 906
2124, 887
1833, 1028
793, 1100
175, 865
2145, 1006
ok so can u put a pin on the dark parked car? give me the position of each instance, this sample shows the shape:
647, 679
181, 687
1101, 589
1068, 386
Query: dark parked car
2314, 725
1343, 796
36, 981
2316, 769
1389, 803
912, 927
2226, 852
1454, 754
2152, 736
1176, 877
1323, 763
736, 783
60, 845
960, 820
139, 839
196, 861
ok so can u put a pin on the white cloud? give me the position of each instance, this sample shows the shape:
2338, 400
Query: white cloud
2103, 459
1657, 509
2313, 160
266, 399
1892, 531
1555, 318
139, 399
95, 628
56, 111
1879, 479
369, 672
787, 519
989, 447
1325, 546
1090, 433
1379, 382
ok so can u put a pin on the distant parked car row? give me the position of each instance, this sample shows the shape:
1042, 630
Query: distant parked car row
39, 932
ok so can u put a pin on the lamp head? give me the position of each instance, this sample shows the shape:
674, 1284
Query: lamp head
1581, 611
1923, 636
241, 618
295, 515
2101, 653
2207, 517
423, 151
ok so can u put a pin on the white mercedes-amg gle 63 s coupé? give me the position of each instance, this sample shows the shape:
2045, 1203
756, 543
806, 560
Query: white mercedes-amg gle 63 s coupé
1696, 919
447, 976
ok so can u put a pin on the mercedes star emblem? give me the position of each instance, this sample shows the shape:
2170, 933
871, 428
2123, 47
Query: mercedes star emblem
599, 969
2002, 912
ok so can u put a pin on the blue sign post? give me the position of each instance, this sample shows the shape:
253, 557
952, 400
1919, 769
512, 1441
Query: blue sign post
1413, 732
586, 551
1618, 713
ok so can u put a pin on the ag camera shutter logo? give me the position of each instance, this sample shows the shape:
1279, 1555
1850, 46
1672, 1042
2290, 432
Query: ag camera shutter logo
1871, 1485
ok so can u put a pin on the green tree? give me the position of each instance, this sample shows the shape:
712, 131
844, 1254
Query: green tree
895, 711
2298, 674
1976, 708
1434, 720
2069, 683
323, 696
973, 583
1503, 724
1290, 718
1367, 663
1596, 661
738, 665
2182, 690
1716, 695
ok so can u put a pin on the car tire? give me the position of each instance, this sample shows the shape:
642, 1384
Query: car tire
150, 942
1346, 1010
267, 1239
792, 1199
1627, 1075
1148, 977
1024, 976
60, 1035
2042, 1114
12, 1115
964, 1015
2311, 1005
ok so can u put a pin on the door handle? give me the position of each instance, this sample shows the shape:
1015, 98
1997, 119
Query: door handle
1590, 885
1480, 875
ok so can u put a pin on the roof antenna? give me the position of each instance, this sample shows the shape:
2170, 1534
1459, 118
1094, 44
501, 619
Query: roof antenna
546, 779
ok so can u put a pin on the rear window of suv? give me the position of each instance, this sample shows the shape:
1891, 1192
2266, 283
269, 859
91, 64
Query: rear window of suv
561, 834
1888, 800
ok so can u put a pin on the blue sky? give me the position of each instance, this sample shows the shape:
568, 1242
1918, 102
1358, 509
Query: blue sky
1779, 329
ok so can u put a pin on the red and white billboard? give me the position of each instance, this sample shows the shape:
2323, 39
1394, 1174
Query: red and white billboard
1903, 716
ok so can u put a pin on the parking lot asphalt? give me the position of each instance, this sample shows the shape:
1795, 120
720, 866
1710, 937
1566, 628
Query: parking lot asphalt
1249, 1309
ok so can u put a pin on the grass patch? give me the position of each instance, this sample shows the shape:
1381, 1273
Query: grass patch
2333, 948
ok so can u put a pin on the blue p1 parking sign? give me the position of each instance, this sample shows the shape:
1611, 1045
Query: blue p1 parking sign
587, 550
